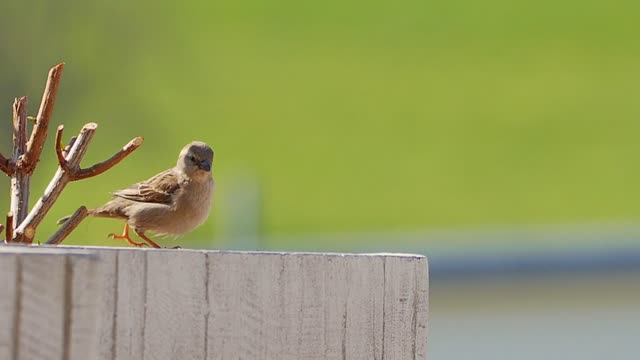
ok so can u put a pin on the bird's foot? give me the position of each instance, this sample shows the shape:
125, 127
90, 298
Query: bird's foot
126, 237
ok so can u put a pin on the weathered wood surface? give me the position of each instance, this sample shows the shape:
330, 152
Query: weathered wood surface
183, 304
47, 303
186, 304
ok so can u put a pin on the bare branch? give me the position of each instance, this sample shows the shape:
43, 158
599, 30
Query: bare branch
39, 132
6, 166
99, 168
61, 160
20, 179
68, 226
8, 235
26, 230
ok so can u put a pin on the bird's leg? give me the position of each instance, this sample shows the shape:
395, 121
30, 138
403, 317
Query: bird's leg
146, 238
125, 235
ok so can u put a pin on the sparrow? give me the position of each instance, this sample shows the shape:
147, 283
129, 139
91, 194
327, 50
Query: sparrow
173, 202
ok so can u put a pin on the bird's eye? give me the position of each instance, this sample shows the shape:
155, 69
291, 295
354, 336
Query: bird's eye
192, 158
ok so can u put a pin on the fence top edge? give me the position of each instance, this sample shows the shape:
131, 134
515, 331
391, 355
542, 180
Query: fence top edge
18, 249
237, 252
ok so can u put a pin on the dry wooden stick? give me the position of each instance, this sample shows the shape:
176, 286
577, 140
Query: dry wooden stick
39, 132
20, 178
59, 149
8, 235
68, 170
99, 168
68, 226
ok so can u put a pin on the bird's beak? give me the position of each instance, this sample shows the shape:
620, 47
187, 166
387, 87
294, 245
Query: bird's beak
205, 165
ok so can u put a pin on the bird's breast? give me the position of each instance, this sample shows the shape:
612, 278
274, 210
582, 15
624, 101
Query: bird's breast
193, 205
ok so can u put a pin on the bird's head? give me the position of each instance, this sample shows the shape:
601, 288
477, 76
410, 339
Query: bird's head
196, 160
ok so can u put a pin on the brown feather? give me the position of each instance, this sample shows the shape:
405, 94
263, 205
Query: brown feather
159, 189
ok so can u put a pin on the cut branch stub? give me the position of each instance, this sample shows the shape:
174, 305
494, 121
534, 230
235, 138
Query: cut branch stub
59, 149
8, 235
68, 226
6, 166
39, 132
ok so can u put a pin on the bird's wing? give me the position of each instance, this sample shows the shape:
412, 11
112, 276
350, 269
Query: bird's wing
159, 189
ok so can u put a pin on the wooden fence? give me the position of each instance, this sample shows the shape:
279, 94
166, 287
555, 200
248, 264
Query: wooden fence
131, 304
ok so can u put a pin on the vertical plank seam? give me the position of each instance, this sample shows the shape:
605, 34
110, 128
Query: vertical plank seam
145, 288
15, 352
326, 307
384, 301
345, 315
301, 311
415, 308
114, 321
207, 310
68, 306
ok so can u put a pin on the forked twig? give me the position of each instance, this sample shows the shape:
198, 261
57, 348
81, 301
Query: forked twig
21, 226
69, 170
39, 132
99, 168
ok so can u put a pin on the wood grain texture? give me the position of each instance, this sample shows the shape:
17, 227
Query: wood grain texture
403, 297
107, 314
48, 303
83, 294
175, 305
9, 295
131, 290
299, 306
185, 304
42, 314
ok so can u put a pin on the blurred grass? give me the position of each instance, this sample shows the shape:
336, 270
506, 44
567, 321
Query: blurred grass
353, 115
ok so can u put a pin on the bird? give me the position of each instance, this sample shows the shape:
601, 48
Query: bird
173, 202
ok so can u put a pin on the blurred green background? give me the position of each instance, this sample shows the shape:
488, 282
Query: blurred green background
498, 137
348, 116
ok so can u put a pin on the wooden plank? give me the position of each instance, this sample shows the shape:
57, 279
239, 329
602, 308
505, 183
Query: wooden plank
236, 325
176, 305
182, 304
42, 310
83, 301
364, 315
335, 307
422, 308
403, 295
108, 283
131, 291
9, 297
295, 306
